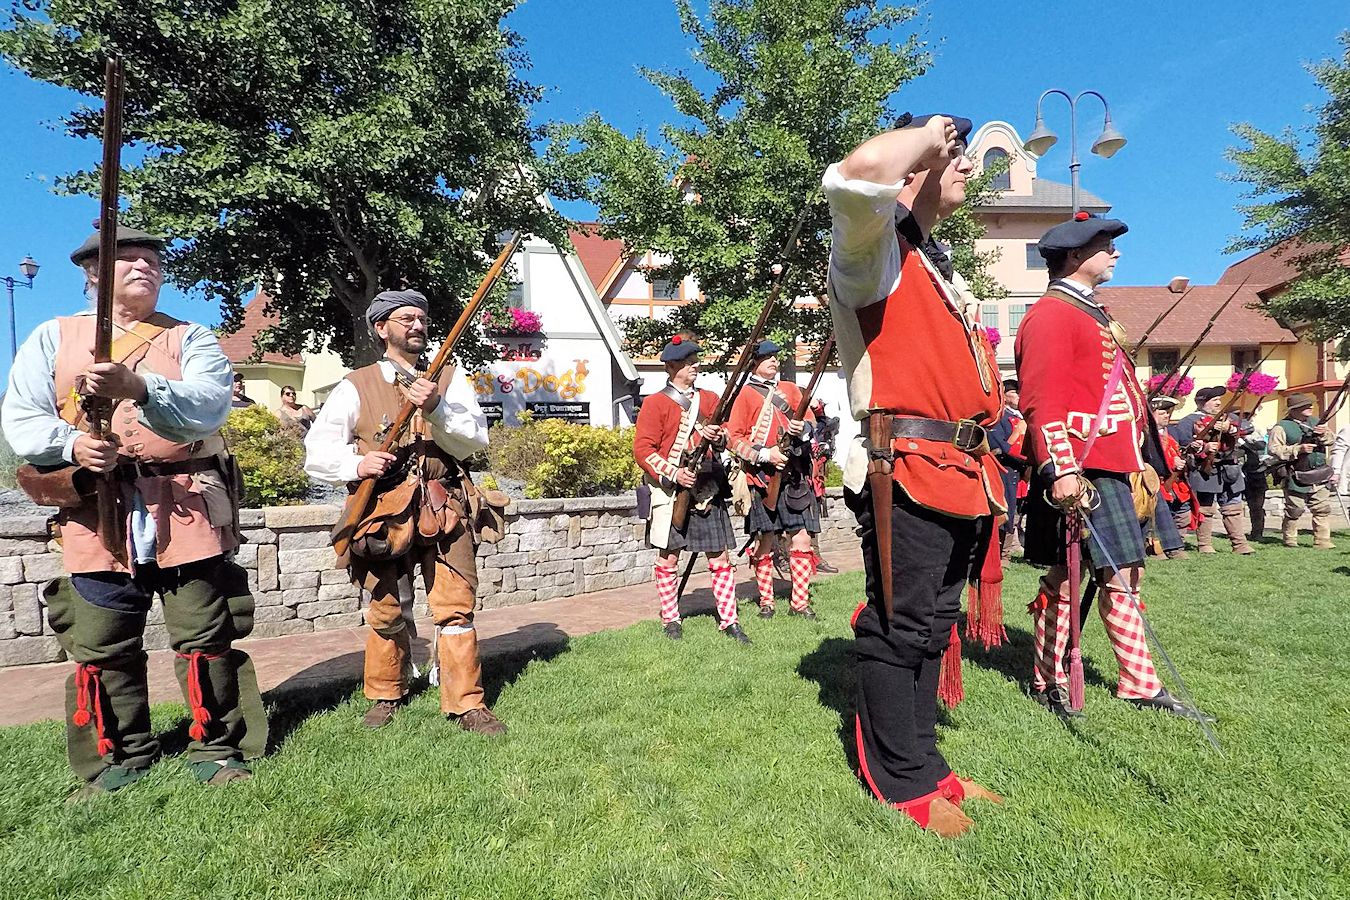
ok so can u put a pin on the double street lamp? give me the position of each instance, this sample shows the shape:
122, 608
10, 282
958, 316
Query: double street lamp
1042, 138
29, 267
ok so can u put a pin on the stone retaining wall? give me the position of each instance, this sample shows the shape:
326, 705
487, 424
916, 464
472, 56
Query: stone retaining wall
552, 548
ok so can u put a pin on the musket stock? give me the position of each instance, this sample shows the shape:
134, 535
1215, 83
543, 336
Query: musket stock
775, 485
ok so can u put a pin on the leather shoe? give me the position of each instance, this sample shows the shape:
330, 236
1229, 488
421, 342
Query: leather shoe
823, 566
736, 633
381, 713
976, 791
673, 630
1165, 702
1056, 700
805, 612
481, 721
766, 610
946, 819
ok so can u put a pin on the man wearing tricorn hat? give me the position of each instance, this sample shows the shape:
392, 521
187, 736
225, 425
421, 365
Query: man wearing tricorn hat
924, 485
171, 384
425, 496
671, 421
761, 416
1090, 432
1216, 477
1301, 444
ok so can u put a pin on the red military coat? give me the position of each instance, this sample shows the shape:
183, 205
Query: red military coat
658, 426
1065, 355
749, 429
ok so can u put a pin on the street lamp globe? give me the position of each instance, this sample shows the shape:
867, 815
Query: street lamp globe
1041, 139
29, 267
1109, 141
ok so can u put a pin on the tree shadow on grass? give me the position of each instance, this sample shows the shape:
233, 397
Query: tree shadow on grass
830, 666
325, 686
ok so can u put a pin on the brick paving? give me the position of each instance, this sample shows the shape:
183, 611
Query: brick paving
33, 693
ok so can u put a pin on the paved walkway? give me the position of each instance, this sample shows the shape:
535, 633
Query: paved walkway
33, 693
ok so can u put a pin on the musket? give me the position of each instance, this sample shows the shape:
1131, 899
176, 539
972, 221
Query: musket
775, 485
359, 503
1185, 358
112, 510
1143, 338
1239, 392
692, 456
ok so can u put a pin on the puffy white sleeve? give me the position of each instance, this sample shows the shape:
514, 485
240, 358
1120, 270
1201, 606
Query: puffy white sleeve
864, 251
330, 453
457, 423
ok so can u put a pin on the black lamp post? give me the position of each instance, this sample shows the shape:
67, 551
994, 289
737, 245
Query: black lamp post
1042, 138
29, 267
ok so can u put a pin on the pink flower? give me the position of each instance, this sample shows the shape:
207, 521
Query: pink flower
994, 337
1258, 385
1176, 385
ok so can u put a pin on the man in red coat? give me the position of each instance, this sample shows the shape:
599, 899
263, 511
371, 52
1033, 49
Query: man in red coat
1087, 424
928, 385
763, 421
671, 421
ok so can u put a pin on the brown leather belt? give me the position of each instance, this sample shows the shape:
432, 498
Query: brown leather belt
167, 469
966, 435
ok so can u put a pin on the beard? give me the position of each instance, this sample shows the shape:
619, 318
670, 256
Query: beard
408, 343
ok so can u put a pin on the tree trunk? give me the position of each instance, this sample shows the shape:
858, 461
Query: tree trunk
366, 349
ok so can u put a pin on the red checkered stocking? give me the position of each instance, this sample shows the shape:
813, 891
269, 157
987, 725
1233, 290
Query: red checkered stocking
724, 592
666, 587
1125, 629
1050, 614
764, 578
803, 565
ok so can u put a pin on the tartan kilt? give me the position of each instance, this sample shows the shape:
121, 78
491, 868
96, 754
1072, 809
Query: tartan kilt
1114, 520
760, 520
708, 531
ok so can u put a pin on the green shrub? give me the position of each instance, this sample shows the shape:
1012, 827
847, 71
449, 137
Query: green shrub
559, 459
270, 456
834, 476
9, 464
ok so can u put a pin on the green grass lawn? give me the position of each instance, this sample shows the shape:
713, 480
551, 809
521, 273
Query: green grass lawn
640, 768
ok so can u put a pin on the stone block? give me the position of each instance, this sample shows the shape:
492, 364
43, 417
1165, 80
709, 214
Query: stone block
259, 535
509, 543
340, 620
508, 580
22, 546
613, 520
7, 632
297, 596
250, 518
42, 567
489, 577
156, 614
621, 562
278, 517
603, 536
562, 579
156, 637
268, 598
281, 628
637, 576
604, 582
530, 582
296, 580
553, 567
645, 559
25, 651
11, 570
27, 609
6, 598
538, 507
272, 614
580, 504
334, 576
339, 592
267, 568
316, 560
247, 556
304, 540
251, 577
559, 522
594, 565
553, 593
513, 598
325, 608
530, 526
507, 560
574, 533
24, 527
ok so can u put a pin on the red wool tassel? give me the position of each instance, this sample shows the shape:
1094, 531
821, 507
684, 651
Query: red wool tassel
984, 603
950, 689
89, 705
81, 716
200, 714
1076, 687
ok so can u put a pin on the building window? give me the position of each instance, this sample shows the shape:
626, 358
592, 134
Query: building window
1245, 358
1015, 313
515, 294
1034, 258
989, 315
997, 156
664, 289
1163, 360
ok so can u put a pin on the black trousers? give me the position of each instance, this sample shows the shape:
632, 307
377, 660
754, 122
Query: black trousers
897, 670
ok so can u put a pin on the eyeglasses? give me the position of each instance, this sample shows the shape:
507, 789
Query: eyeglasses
409, 321
288, 393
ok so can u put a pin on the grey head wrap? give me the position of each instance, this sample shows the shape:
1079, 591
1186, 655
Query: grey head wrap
386, 302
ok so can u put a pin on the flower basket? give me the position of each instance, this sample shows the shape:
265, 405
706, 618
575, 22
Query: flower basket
515, 322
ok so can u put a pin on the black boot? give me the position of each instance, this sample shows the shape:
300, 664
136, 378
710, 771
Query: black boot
1056, 700
673, 630
1165, 702
736, 633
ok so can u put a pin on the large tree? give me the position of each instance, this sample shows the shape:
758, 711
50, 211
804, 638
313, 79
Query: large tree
1302, 189
791, 86
323, 149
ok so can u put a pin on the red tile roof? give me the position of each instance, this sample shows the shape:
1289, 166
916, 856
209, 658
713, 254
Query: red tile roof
238, 347
1137, 307
602, 258
1272, 268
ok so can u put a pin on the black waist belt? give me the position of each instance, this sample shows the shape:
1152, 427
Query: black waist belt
965, 435
166, 469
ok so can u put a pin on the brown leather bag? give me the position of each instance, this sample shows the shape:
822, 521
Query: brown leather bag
54, 485
438, 514
389, 528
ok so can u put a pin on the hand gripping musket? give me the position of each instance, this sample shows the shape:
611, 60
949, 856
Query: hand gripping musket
692, 457
112, 510
359, 503
1208, 431
785, 440
1186, 358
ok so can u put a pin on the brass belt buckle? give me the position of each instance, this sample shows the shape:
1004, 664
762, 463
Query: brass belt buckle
969, 435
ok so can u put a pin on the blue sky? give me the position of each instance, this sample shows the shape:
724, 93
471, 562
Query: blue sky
1177, 76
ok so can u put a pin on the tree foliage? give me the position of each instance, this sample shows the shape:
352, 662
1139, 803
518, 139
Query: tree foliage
1302, 194
793, 85
322, 149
